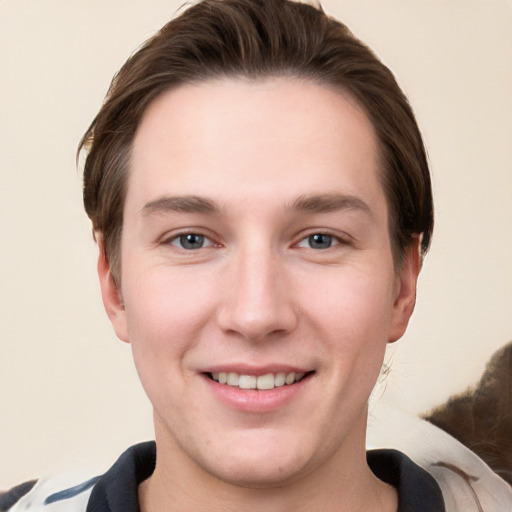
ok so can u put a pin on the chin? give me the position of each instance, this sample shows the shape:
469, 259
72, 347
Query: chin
267, 462
270, 473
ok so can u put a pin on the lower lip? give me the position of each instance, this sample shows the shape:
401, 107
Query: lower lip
257, 401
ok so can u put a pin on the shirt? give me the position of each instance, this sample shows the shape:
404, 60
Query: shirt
116, 490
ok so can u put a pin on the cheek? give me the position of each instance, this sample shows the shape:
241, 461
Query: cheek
351, 303
351, 316
165, 315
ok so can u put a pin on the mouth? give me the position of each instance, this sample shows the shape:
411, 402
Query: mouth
260, 382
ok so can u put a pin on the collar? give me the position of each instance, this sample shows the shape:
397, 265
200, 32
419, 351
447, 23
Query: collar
116, 490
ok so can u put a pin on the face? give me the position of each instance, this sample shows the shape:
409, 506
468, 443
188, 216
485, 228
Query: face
256, 250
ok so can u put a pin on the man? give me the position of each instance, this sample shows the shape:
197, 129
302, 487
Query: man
261, 199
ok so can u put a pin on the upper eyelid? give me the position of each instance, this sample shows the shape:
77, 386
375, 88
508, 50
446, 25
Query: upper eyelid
176, 233
341, 237
172, 242
211, 243
337, 241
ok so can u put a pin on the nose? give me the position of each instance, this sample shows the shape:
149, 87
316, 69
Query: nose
257, 301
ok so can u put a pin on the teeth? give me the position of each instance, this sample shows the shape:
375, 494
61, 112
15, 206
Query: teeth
247, 382
290, 378
233, 379
280, 380
268, 381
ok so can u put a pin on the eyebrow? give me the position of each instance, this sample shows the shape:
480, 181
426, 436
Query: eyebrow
185, 204
312, 203
325, 203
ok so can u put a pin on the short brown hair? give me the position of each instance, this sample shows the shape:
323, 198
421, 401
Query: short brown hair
256, 39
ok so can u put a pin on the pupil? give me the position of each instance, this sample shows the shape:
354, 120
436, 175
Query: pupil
320, 241
191, 241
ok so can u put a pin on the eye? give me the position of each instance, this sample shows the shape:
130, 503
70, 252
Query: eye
191, 241
319, 241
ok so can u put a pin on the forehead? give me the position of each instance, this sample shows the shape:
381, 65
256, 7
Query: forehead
280, 134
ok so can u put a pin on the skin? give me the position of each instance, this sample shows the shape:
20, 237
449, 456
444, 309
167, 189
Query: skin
263, 166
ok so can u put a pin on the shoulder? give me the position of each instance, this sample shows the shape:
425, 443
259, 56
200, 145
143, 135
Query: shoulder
114, 491
466, 481
63, 493
417, 490
10, 497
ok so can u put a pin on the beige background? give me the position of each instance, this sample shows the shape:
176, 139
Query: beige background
69, 396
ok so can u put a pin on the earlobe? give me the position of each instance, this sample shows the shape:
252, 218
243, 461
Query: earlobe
111, 295
405, 297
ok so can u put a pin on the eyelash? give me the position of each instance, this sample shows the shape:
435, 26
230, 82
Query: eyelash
332, 239
180, 241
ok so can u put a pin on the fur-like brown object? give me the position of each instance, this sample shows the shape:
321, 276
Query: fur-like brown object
481, 417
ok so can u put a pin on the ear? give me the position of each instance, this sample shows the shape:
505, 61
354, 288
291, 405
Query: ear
111, 295
405, 291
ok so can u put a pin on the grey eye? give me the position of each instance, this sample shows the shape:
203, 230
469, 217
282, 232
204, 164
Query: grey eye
320, 241
190, 241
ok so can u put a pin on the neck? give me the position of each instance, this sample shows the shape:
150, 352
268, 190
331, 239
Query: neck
341, 484
154, 496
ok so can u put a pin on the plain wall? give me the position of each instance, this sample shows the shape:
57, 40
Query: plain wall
69, 395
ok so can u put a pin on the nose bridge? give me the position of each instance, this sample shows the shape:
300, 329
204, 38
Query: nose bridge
258, 301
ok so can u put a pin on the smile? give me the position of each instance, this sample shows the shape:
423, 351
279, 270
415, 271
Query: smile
261, 382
